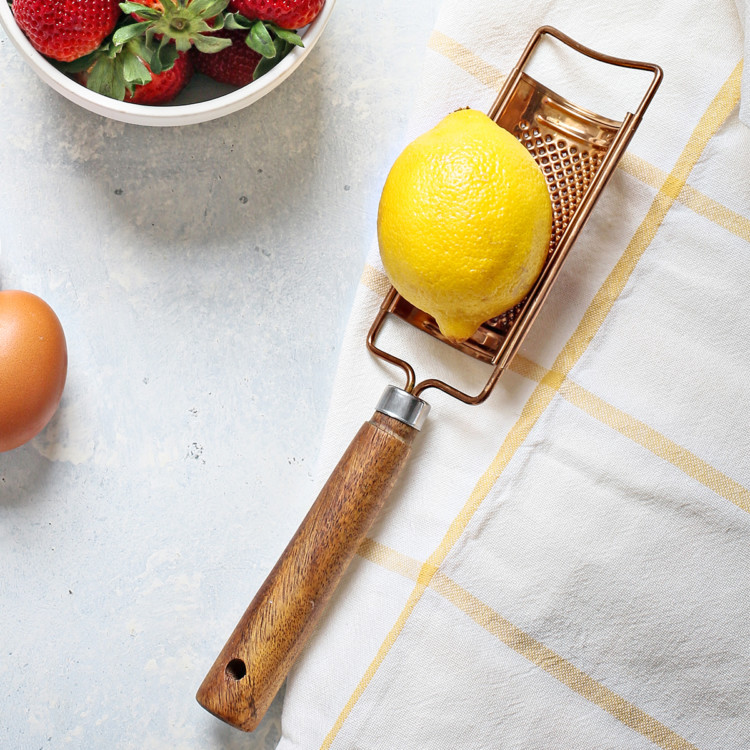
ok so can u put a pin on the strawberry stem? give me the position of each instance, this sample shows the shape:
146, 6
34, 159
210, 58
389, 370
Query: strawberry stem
187, 23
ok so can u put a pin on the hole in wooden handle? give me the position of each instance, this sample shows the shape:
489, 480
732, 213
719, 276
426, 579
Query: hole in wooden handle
236, 669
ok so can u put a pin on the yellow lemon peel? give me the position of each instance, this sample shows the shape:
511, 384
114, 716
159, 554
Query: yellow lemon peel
464, 222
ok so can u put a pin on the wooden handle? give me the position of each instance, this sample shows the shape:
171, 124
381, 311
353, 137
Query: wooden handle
258, 655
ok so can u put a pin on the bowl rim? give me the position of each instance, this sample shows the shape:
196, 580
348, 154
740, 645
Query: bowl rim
178, 114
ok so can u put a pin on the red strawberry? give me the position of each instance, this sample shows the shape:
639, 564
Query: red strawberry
66, 29
234, 65
288, 14
163, 87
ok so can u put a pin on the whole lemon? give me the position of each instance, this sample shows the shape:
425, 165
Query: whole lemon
464, 222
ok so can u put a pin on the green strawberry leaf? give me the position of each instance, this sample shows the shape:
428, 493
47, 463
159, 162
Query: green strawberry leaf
237, 22
165, 57
288, 35
144, 11
217, 22
260, 40
183, 44
150, 40
139, 48
134, 71
211, 44
208, 8
106, 78
281, 48
130, 31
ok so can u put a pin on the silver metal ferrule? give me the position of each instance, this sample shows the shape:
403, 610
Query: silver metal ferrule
397, 403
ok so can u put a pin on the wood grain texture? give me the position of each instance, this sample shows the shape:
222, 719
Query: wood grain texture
258, 655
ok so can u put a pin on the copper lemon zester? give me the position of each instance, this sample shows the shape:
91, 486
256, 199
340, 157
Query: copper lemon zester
577, 150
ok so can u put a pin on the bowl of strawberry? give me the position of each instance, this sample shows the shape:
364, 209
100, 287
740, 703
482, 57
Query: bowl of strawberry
164, 62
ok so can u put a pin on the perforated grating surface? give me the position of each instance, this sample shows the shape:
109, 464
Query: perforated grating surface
568, 172
568, 144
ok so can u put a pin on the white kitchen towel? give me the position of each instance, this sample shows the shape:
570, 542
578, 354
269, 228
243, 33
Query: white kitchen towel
568, 564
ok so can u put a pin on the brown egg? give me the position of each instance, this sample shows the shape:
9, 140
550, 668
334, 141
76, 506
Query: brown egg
33, 365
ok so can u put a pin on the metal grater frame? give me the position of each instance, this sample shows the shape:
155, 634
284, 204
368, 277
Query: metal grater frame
577, 151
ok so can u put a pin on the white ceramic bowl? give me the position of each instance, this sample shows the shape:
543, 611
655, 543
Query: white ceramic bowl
202, 100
